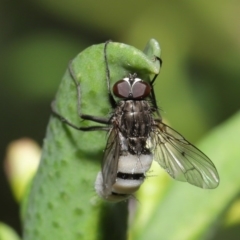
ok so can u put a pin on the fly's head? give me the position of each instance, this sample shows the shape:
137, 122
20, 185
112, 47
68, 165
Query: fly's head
132, 87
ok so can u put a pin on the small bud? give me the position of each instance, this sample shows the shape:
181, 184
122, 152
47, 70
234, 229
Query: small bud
21, 163
7, 233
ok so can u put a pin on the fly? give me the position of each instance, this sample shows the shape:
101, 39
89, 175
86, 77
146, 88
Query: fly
136, 137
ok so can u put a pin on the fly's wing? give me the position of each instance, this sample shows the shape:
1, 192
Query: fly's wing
182, 160
110, 161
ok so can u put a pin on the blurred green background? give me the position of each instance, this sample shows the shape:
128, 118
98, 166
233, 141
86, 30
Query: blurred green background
198, 87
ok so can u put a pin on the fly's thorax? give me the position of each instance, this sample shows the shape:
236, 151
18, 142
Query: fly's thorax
134, 118
136, 106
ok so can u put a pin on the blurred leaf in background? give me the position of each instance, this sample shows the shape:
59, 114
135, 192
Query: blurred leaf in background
21, 163
7, 233
198, 87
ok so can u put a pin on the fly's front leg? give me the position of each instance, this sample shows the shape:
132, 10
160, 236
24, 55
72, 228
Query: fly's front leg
83, 116
152, 90
69, 123
110, 96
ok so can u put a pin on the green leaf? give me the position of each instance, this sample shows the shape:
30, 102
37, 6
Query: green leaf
174, 210
62, 203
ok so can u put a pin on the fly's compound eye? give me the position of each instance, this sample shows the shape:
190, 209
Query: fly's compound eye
136, 90
122, 89
140, 90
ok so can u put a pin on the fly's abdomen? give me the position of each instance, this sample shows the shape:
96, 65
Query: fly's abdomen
130, 176
131, 173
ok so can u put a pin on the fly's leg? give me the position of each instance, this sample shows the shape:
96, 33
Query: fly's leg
63, 119
152, 89
160, 61
83, 116
110, 96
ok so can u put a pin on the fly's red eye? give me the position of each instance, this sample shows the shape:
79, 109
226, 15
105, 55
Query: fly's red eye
141, 90
121, 89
